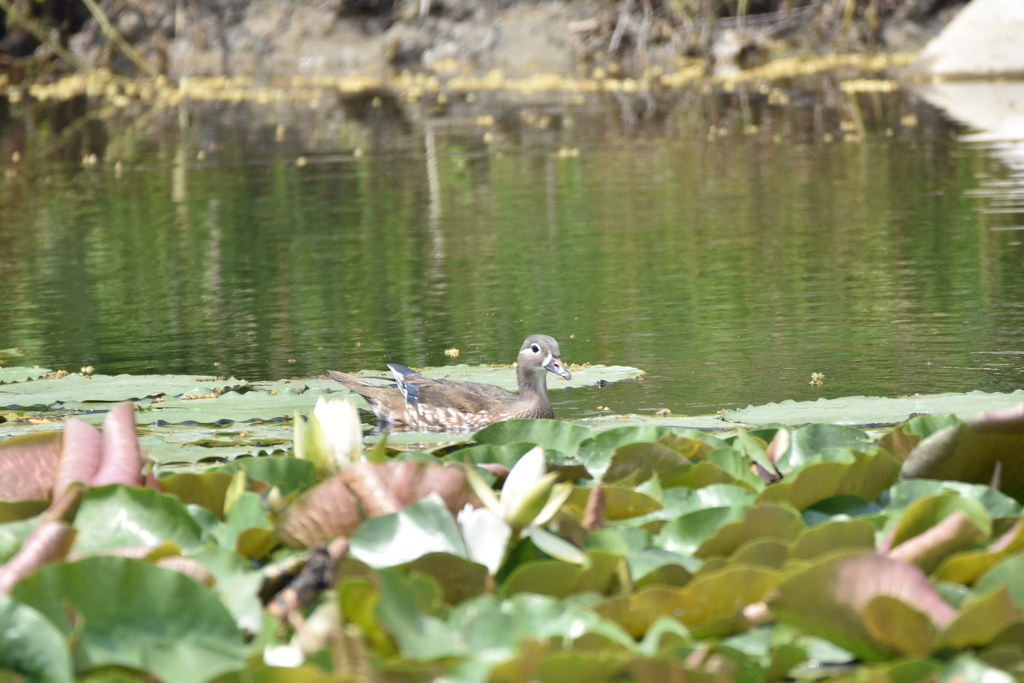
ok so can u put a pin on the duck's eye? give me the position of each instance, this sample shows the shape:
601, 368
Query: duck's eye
534, 348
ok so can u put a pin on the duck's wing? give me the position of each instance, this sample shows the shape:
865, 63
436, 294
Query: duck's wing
387, 397
468, 397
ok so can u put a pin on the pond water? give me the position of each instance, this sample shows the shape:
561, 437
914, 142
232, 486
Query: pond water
728, 244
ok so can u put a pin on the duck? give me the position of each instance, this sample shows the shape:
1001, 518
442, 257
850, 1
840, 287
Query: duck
419, 402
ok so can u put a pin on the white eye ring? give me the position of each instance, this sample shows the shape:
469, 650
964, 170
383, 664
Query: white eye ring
534, 348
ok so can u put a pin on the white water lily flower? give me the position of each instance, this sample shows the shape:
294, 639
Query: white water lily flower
486, 536
283, 655
339, 420
528, 500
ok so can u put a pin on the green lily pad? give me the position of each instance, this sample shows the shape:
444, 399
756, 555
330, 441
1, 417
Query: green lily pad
833, 535
287, 474
419, 636
828, 597
127, 606
654, 566
562, 437
492, 624
595, 453
925, 513
507, 455
1009, 572
953, 533
588, 666
560, 579
11, 375
639, 462
237, 585
261, 673
246, 528
620, 502
458, 578
760, 522
986, 448
965, 567
179, 661
117, 516
905, 437
838, 471
980, 619
252, 406
108, 389
175, 444
766, 552
711, 604
810, 441
686, 533
711, 423
871, 410
423, 527
997, 504
898, 625
206, 489
31, 646
681, 500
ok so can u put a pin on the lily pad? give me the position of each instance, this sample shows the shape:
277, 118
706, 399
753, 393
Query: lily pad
682, 500
686, 533
761, 521
711, 604
458, 578
127, 606
905, 492
563, 437
839, 471
108, 389
596, 452
905, 437
1009, 573
117, 516
246, 528
711, 423
11, 375
986, 448
980, 619
287, 474
252, 406
31, 646
237, 585
965, 567
560, 579
620, 502
492, 624
829, 597
872, 410
423, 527
807, 442
178, 444
419, 635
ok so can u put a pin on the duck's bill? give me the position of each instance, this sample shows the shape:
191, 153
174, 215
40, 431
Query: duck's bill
555, 365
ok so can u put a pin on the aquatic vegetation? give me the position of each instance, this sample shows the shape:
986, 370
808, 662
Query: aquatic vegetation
543, 550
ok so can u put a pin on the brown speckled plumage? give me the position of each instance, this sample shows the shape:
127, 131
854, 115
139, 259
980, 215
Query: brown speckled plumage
419, 402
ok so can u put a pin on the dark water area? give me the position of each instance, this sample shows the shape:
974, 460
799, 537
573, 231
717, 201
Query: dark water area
728, 245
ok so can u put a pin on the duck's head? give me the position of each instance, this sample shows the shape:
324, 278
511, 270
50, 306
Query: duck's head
538, 353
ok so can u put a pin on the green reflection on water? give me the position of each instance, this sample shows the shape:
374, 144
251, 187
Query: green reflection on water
729, 270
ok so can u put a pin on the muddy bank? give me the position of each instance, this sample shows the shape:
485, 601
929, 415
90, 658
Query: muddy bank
268, 39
